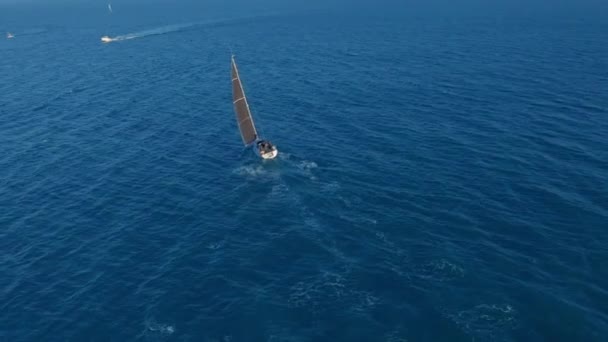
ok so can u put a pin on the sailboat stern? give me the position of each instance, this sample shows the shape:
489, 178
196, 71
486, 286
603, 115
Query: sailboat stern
269, 155
266, 150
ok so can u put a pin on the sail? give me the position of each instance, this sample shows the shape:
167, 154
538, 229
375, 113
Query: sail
241, 107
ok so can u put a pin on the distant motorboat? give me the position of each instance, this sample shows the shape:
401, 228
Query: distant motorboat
263, 148
9, 35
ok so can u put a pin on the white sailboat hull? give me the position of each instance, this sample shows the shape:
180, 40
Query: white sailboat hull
106, 39
265, 154
269, 155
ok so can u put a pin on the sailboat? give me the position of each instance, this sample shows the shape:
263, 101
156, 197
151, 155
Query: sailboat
9, 35
107, 39
264, 148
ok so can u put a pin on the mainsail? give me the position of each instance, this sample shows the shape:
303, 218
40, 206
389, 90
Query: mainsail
241, 107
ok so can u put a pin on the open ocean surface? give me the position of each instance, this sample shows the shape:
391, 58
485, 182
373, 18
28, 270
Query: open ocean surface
442, 177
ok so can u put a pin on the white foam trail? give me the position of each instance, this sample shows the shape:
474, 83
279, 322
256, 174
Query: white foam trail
174, 28
251, 171
150, 32
164, 329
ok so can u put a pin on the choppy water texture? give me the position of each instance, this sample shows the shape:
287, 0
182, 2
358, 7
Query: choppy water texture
440, 179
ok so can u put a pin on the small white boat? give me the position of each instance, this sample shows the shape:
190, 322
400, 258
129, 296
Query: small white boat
263, 148
9, 35
106, 39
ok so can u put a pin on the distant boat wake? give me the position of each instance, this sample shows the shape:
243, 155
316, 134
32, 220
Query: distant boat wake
174, 28
146, 33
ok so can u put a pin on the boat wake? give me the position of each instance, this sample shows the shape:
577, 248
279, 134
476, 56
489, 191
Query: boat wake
177, 27
252, 171
33, 32
150, 32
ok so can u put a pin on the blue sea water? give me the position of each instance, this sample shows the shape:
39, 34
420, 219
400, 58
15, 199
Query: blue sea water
443, 176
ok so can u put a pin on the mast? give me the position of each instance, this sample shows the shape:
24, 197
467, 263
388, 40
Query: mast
241, 107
